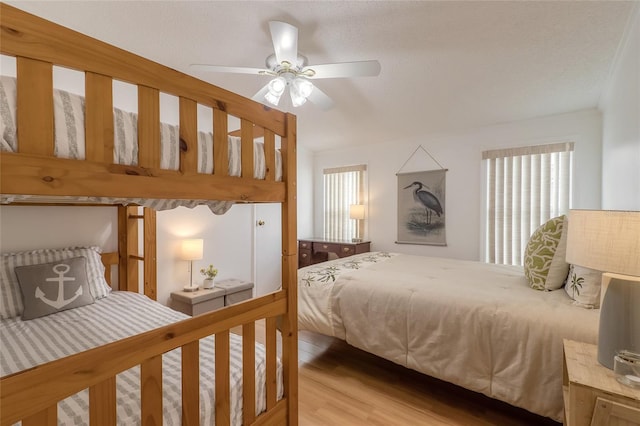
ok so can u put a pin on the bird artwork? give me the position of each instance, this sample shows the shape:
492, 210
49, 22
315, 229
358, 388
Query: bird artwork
427, 200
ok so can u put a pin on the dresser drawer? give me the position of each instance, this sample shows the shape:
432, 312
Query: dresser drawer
304, 245
304, 257
326, 248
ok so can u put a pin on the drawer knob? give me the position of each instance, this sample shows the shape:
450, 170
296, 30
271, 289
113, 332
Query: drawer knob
304, 245
325, 246
346, 249
304, 255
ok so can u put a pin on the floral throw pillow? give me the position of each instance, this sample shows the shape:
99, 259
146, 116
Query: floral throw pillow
544, 263
583, 286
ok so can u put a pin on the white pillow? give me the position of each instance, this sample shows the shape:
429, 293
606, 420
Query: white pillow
583, 286
10, 296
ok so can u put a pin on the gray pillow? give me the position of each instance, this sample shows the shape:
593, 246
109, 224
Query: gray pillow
48, 288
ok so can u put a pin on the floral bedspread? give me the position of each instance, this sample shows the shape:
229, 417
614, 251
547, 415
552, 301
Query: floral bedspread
327, 272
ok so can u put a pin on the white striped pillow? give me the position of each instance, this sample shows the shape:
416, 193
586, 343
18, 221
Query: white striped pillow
10, 296
68, 117
125, 137
8, 93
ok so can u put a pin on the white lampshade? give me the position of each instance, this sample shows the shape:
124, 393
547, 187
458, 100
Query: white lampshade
192, 249
605, 240
356, 211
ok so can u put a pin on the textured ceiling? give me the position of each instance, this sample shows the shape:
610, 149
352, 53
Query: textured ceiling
446, 66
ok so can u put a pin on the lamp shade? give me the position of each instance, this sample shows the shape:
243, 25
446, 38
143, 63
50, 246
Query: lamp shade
356, 211
605, 240
192, 249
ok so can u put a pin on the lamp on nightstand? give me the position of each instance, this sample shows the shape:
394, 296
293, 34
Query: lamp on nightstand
191, 250
356, 212
609, 241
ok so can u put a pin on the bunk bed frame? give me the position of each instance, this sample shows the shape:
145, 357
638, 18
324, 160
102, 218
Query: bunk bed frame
31, 396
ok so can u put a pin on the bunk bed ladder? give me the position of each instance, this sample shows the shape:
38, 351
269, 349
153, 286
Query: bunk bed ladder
128, 246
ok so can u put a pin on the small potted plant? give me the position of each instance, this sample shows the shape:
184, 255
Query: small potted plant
209, 274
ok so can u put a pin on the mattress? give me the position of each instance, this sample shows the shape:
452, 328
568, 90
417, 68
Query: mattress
477, 325
25, 344
69, 125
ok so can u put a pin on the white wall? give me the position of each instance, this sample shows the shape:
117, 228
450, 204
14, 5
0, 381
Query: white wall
461, 155
620, 105
305, 192
35, 227
227, 245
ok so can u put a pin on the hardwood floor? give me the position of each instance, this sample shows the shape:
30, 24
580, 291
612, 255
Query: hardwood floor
341, 385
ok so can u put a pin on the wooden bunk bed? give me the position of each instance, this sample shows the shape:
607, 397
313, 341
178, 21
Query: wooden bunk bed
31, 396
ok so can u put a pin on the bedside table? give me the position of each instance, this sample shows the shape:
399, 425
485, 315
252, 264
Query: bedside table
198, 302
224, 293
592, 395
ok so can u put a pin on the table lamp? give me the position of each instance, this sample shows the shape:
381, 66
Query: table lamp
191, 250
356, 212
609, 241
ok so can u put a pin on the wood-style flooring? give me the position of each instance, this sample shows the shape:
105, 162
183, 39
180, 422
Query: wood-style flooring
340, 385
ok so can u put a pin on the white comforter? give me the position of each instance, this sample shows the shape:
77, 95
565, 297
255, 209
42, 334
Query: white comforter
474, 324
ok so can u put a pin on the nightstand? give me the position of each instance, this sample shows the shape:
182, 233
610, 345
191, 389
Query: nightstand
592, 395
198, 302
224, 293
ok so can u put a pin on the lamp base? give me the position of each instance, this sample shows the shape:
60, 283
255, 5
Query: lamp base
190, 288
619, 319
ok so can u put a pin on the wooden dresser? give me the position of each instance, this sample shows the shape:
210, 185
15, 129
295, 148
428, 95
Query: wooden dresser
316, 250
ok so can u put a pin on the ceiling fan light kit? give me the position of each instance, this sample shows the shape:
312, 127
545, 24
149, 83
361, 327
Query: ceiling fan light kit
289, 69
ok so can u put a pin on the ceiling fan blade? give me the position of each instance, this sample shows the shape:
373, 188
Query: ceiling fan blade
259, 96
321, 99
235, 70
346, 69
285, 41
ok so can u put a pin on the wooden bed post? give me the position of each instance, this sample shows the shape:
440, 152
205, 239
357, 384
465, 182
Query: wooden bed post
290, 272
129, 249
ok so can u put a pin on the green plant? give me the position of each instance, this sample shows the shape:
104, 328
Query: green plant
210, 272
576, 284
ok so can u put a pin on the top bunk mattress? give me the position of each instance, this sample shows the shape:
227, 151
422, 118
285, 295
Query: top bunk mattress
69, 131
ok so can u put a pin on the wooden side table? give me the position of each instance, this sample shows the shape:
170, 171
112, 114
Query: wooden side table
592, 395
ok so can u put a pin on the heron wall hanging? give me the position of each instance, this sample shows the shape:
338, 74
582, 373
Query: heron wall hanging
421, 205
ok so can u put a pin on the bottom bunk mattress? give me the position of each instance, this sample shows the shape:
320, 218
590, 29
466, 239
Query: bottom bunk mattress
473, 324
25, 344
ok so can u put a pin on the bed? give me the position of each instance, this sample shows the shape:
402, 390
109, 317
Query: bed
38, 168
473, 324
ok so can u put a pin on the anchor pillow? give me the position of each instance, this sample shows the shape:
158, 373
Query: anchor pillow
48, 288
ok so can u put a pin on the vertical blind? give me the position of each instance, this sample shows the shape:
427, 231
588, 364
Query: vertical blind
525, 188
343, 186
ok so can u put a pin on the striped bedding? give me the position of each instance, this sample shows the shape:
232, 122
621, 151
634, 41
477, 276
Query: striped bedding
70, 143
25, 344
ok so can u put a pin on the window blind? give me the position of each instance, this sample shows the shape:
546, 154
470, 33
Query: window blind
525, 187
343, 186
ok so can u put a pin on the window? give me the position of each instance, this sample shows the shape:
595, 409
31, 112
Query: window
343, 186
525, 187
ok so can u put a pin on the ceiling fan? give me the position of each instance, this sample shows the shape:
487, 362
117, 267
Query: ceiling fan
290, 69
